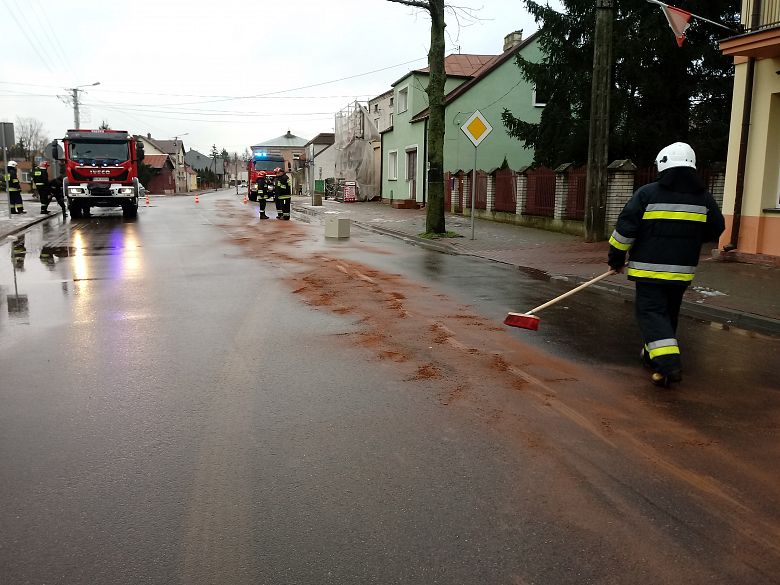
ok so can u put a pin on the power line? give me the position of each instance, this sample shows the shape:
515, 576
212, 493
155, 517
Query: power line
281, 91
263, 95
60, 51
24, 32
239, 121
202, 112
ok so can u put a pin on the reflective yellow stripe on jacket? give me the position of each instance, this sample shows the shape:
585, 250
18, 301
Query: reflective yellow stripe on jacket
661, 271
676, 211
620, 241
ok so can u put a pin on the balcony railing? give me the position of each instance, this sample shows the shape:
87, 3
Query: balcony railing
768, 14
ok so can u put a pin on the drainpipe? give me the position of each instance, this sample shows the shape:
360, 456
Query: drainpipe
381, 165
747, 106
425, 159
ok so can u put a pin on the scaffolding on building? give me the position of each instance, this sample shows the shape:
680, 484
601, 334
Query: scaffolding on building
355, 134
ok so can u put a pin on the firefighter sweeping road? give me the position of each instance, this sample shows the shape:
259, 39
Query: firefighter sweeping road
199, 396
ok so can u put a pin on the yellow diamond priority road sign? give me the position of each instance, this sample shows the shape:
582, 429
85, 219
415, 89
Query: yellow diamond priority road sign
476, 128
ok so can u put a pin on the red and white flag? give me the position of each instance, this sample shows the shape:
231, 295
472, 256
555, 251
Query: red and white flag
678, 20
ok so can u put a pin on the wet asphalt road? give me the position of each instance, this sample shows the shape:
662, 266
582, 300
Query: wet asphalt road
169, 413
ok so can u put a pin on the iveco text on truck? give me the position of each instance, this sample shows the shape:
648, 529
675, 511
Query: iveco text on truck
101, 170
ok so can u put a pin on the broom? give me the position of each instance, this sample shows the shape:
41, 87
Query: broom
530, 321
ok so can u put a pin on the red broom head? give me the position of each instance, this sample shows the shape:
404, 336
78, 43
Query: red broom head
522, 320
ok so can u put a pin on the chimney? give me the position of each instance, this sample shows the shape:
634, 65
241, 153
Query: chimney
149, 135
513, 39
288, 135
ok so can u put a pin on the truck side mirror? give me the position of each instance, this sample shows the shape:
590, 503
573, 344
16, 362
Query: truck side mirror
55, 152
139, 151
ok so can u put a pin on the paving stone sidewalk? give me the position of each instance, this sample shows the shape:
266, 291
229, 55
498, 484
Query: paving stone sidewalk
732, 293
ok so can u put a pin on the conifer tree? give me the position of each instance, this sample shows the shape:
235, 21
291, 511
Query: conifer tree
661, 93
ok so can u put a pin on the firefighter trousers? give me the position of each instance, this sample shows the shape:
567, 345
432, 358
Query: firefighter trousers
46, 197
264, 198
657, 313
283, 206
17, 205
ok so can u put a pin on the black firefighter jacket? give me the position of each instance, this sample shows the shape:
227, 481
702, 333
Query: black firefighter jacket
663, 226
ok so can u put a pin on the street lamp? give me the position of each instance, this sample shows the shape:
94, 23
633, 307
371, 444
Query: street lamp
75, 91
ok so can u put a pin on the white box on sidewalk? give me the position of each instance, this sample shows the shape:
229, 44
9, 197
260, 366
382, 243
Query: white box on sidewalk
337, 227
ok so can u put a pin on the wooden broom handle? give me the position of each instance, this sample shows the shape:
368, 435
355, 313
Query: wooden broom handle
572, 291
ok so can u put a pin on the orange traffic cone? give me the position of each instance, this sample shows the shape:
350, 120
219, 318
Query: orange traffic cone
246, 199
147, 201
197, 198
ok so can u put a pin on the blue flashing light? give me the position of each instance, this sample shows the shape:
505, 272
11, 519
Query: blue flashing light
260, 154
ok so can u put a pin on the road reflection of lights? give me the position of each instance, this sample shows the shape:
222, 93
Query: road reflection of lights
131, 253
80, 264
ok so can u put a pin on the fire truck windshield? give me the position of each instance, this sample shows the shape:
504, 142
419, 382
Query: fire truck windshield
91, 152
268, 165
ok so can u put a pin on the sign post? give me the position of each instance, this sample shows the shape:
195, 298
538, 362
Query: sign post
476, 129
7, 138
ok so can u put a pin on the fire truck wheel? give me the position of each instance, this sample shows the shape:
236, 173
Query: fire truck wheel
129, 210
76, 211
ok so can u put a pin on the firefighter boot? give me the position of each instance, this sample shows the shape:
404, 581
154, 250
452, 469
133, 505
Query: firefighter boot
666, 380
44, 210
263, 215
644, 357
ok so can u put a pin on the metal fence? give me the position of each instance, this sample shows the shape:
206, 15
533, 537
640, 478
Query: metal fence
541, 192
506, 191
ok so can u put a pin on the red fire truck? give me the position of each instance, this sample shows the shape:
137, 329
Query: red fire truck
101, 170
262, 162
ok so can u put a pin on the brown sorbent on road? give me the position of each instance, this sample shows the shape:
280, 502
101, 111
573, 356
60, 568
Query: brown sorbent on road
474, 364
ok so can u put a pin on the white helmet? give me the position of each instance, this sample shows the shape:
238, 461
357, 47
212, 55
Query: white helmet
12, 163
678, 154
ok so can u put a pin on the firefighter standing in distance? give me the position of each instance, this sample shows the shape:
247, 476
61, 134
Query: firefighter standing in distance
264, 192
662, 228
40, 177
43, 185
283, 194
14, 189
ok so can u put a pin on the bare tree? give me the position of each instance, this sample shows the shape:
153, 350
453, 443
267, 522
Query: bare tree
31, 136
434, 217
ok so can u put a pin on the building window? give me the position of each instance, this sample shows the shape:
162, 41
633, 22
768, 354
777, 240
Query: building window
391, 118
539, 98
392, 165
25, 177
376, 108
403, 99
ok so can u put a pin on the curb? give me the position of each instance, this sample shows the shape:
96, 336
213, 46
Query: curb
726, 317
22, 228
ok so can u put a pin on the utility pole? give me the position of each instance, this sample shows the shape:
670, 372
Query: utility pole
75, 98
235, 170
598, 140
76, 119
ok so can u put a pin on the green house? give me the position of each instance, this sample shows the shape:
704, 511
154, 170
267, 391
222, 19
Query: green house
488, 83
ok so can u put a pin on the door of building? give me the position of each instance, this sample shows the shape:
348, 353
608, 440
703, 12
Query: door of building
411, 173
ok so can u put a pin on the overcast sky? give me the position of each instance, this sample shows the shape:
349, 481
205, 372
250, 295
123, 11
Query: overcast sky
179, 68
